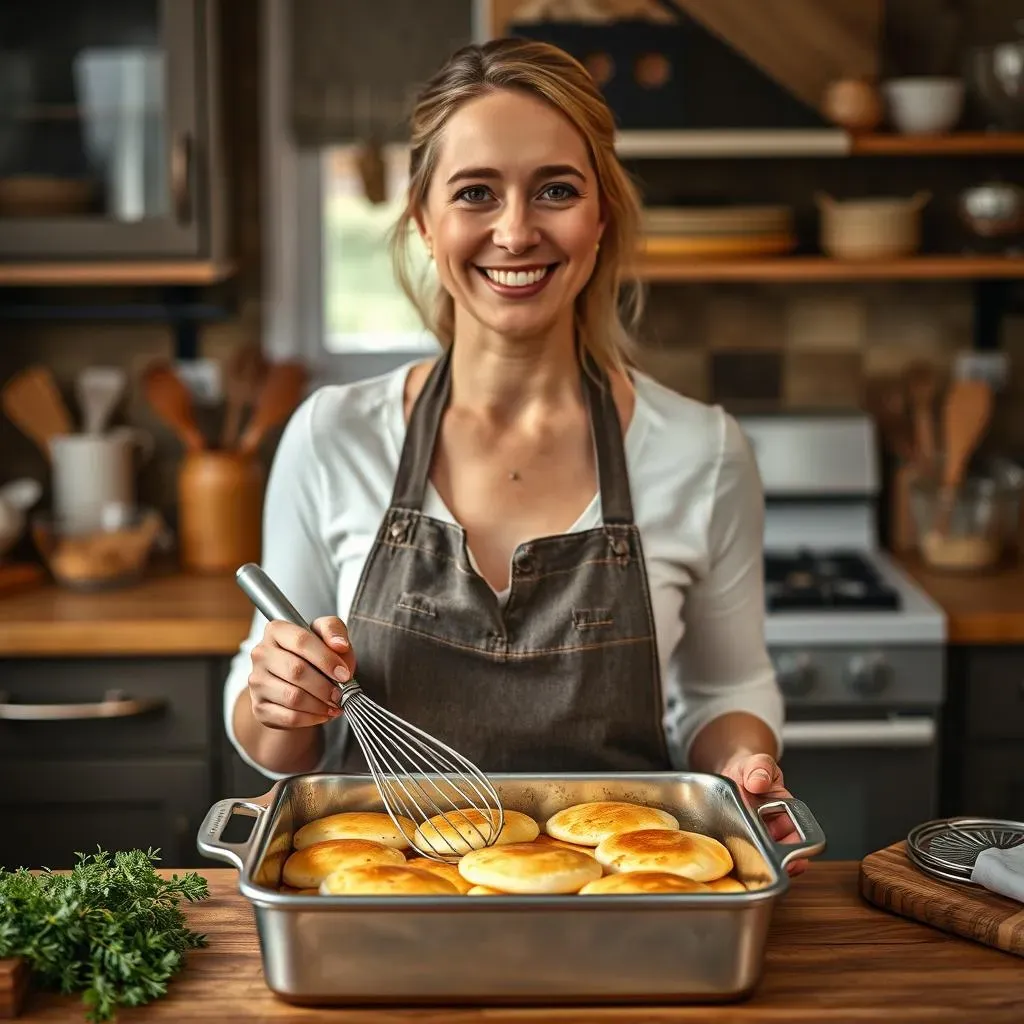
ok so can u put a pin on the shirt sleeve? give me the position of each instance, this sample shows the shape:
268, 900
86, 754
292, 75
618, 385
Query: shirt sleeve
294, 553
725, 665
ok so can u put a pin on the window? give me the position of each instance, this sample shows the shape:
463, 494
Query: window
363, 307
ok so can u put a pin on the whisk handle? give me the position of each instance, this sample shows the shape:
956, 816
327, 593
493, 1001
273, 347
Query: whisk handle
265, 595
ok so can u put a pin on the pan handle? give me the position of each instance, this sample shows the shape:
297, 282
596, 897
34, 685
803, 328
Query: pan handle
812, 837
209, 842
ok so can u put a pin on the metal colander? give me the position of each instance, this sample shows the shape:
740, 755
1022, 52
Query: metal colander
947, 847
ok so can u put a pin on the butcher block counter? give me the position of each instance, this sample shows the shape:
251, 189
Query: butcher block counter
987, 608
167, 613
830, 957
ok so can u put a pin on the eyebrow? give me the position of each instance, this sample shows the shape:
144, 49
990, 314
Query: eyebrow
548, 171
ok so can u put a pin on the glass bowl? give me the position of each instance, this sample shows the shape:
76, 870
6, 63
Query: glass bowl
110, 553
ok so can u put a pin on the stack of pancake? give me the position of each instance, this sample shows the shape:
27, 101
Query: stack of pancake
595, 848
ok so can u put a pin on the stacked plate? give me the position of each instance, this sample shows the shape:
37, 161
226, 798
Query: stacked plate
710, 231
948, 847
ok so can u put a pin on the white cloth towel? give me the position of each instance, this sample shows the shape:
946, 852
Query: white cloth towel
1001, 871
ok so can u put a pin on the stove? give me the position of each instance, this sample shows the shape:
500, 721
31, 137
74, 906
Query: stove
858, 648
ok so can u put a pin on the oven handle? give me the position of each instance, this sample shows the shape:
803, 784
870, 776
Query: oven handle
892, 732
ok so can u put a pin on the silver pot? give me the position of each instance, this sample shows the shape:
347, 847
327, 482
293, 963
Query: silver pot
993, 209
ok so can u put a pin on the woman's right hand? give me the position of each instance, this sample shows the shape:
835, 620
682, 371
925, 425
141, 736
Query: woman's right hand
287, 684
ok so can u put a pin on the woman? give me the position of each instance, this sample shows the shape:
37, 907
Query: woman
530, 550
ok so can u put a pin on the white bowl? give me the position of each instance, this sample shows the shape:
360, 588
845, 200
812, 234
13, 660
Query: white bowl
924, 106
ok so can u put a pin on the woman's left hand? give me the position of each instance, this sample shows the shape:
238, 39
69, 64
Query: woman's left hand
758, 776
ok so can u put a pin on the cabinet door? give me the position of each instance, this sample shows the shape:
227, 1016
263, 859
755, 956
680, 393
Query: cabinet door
52, 810
101, 102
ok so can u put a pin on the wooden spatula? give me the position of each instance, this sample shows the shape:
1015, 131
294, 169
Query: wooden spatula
282, 391
172, 402
966, 416
34, 405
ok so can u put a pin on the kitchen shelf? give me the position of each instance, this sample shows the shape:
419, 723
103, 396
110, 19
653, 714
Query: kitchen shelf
823, 268
953, 144
136, 272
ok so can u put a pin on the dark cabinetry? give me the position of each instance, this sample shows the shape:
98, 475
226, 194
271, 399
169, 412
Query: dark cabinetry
116, 752
109, 133
984, 733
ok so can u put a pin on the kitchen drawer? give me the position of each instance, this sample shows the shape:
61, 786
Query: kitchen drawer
994, 782
165, 706
55, 809
995, 693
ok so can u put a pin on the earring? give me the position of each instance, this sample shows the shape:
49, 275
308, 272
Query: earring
597, 248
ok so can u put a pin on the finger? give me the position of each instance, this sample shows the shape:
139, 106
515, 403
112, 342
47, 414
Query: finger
280, 668
267, 691
275, 716
310, 648
761, 774
797, 867
334, 633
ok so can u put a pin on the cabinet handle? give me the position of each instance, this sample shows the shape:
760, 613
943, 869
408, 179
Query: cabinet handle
114, 705
181, 177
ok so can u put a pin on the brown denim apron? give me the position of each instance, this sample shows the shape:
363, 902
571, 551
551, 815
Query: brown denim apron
565, 677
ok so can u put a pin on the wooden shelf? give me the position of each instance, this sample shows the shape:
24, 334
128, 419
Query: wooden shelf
140, 272
822, 268
953, 144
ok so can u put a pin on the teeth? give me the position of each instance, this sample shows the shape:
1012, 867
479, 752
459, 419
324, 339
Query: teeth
516, 278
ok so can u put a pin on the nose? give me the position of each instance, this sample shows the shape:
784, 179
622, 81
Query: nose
515, 230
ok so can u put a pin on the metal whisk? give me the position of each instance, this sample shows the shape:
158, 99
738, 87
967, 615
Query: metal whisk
418, 777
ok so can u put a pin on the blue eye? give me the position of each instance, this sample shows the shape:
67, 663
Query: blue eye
563, 192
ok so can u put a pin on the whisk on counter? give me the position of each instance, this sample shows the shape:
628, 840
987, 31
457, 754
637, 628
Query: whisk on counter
452, 804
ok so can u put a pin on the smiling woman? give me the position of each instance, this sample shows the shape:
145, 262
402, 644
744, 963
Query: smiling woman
524, 546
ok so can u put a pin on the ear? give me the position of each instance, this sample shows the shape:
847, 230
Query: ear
422, 229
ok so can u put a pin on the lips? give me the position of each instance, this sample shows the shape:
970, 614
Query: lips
517, 283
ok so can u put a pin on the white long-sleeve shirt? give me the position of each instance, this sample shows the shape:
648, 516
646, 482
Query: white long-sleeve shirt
697, 503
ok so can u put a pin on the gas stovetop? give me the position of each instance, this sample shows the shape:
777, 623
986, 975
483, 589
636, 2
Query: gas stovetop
822, 580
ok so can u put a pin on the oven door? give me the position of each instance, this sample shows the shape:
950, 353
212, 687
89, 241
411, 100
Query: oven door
867, 780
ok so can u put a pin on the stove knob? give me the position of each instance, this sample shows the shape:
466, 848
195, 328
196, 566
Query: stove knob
795, 673
868, 674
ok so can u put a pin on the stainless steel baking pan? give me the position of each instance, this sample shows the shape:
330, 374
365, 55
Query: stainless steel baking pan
514, 949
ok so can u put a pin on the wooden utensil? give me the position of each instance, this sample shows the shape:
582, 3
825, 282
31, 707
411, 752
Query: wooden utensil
281, 392
966, 416
922, 387
243, 376
34, 405
99, 389
171, 401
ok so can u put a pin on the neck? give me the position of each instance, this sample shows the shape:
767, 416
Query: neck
506, 379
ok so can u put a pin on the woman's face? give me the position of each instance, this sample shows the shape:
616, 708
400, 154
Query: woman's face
513, 214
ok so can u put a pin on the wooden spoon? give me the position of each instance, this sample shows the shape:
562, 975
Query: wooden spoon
243, 375
34, 405
967, 412
172, 402
922, 386
282, 391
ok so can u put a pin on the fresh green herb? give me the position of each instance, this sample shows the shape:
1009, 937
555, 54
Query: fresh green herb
110, 928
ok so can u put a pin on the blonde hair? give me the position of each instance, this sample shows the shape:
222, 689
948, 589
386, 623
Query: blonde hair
610, 304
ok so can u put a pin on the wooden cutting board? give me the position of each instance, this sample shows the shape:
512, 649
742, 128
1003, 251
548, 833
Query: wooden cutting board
890, 881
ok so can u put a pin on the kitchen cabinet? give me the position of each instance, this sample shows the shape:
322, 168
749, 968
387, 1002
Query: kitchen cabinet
984, 732
109, 131
123, 752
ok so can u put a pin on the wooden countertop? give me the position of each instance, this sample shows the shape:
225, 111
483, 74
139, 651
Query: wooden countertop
831, 957
985, 609
168, 613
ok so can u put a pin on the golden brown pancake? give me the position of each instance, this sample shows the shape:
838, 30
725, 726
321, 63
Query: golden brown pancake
526, 868
448, 871
588, 823
639, 882
310, 866
386, 880
727, 884
375, 825
546, 840
690, 854
468, 829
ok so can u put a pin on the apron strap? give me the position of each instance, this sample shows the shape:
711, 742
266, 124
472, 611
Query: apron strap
425, 421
